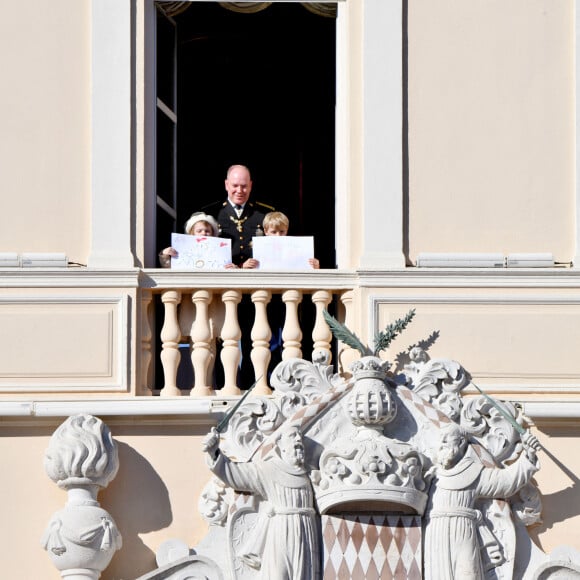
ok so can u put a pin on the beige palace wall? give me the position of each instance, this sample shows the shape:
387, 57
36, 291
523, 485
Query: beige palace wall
490, 110
491, 144
45, 127
515, 342
491, 126
161, 475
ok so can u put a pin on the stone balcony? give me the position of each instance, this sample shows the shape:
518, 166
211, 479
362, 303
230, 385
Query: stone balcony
216, 318
114, 341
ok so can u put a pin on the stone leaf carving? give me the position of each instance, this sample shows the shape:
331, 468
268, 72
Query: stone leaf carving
429, 378
213, 503
308, 379
441, 381
499, 437
438, 381
527, 505
249, 425
297, 383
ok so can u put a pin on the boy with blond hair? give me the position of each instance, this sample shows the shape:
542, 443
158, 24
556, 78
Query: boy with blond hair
277, 224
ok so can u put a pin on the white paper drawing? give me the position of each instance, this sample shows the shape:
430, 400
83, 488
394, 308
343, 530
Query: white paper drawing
200, 252
283, 252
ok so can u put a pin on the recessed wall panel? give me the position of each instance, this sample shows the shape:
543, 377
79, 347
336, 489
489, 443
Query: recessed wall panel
71, 344
514, 344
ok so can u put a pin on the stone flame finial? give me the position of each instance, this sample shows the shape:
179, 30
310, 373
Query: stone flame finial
82, 537
81, 452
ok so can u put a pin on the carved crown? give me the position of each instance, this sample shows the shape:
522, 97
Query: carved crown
369, 471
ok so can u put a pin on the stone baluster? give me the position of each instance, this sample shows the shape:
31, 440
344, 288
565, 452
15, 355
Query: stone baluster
146, 344
292, 334
231, 334
170, 336
82, 537
186, 315
201, 337
346, 354
321, 335
261, 335
216, 323
186, 318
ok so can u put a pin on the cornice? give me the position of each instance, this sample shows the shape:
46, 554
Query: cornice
108, 407
157, 278
471, 278
564, 413
279, 279
210, 409
68, 278
141, 410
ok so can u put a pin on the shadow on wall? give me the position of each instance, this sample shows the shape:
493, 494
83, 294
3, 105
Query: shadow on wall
403, 358
563, 504
138, 500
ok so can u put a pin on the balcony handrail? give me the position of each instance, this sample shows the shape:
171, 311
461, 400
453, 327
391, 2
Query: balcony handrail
160, 279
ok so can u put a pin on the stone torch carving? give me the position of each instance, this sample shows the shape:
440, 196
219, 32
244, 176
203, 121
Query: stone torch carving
82, 537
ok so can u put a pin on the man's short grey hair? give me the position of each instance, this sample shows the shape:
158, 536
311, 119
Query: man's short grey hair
237, 166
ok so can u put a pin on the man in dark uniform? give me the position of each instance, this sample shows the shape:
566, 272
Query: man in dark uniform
239, 219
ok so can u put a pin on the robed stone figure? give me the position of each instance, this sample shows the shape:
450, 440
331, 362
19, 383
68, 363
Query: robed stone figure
284, 543
454, 527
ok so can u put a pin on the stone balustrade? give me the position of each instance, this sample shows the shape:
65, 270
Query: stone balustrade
207, 326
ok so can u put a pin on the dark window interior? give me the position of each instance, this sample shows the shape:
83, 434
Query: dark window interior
258, 89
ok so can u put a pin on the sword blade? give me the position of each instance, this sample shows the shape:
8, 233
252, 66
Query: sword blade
226, 419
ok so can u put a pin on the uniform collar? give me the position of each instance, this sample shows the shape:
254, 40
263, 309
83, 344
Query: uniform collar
243, 206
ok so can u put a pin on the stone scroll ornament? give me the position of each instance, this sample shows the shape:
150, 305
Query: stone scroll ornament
380, 475
81, 458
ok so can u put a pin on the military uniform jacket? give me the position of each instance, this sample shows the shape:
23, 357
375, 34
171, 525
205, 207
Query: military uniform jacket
241, 230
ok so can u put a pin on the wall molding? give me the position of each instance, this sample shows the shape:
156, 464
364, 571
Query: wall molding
68, 278
385, 278
509, 383
112, 378
205, 410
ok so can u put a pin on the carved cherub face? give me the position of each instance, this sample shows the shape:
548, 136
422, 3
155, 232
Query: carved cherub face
291, 447
451, 447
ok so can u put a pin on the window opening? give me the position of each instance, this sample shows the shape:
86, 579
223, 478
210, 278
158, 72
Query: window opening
257, 89
166, 127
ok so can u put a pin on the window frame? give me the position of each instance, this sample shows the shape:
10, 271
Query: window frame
124, 102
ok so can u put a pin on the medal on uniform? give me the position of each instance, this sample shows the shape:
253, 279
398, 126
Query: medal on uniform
239, 222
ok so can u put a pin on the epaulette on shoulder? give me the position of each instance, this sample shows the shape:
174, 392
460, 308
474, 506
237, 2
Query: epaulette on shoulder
213, 205
270, 207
